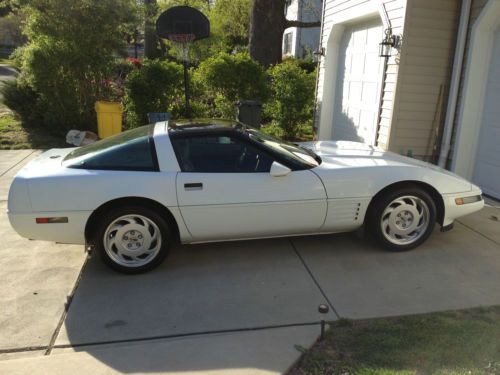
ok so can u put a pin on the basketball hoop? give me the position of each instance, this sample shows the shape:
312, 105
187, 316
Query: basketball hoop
183, 25
182, 44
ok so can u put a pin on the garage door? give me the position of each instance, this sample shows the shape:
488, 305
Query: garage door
358, 83
487, 168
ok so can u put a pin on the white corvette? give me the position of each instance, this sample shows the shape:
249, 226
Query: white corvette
129, 196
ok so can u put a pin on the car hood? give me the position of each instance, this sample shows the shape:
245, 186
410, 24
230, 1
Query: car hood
339, 147
338, 153
356, 169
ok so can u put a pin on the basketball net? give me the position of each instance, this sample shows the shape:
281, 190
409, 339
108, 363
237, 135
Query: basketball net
182, 44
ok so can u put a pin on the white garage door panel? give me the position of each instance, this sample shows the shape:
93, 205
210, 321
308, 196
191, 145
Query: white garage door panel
487, 168
491, 184
358, 83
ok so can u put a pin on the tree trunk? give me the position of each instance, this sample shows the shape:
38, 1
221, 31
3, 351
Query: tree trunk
150, 37
266, 31
267, 25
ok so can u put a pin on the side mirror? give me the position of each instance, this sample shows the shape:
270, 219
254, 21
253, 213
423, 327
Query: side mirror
279, 170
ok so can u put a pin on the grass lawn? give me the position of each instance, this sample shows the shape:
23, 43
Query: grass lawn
458, 342
13, 136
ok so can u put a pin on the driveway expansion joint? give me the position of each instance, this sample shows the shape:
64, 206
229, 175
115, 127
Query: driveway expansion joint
67, 304
481, 234
23, 349
314, 279
49, 348
183, 335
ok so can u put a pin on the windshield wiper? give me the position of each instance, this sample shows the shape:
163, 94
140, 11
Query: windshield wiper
310, 153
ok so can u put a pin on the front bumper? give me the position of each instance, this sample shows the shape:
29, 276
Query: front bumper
453, 211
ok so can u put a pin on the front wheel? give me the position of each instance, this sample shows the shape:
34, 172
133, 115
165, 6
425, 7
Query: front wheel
403, 219
132, 239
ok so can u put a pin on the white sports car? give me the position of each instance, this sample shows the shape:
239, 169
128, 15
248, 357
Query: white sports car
129, 196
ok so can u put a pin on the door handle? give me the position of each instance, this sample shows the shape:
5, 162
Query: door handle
193, 186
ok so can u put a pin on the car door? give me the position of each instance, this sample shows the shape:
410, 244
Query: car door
225, 191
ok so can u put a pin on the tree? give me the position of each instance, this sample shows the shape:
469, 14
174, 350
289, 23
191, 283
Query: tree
71, 49
4, 9
151, 50
230, 21
10, 27
268, 22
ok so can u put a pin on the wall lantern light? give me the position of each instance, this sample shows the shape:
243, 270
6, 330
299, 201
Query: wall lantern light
389, 42
319, 52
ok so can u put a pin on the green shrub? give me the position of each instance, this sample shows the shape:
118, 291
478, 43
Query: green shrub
222, 80
23, 100
307, 64
292, 95
156, 87
304, 132
272, 129
70, 51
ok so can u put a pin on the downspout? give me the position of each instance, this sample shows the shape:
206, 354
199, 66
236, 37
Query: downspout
319, 55
455, 83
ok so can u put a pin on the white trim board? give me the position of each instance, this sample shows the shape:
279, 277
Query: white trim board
474, 88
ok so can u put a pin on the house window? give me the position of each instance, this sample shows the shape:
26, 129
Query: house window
287, 45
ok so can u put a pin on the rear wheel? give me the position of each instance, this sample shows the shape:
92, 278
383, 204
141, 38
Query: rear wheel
132, 239
403, 219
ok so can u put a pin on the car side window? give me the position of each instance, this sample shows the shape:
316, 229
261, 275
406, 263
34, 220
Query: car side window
132, 155
219, 154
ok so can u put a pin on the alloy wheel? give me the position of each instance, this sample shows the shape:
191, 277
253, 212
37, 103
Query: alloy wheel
132, 240
405, 220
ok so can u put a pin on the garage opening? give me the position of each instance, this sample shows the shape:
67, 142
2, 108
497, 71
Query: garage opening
487, 167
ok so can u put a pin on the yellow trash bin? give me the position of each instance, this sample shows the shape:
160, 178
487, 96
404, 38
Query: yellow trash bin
109, 118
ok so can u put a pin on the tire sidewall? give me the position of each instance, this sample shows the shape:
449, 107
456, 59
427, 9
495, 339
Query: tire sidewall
374, 227
151, 214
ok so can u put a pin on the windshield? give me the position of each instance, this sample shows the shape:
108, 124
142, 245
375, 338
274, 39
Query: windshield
287, 150
130, 150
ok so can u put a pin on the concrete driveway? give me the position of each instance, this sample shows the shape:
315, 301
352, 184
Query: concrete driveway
36, 277
238, 307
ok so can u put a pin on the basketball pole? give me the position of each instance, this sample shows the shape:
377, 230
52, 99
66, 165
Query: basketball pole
186, 89
183, 25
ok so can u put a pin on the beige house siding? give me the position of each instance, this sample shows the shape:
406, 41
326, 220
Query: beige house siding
476, 8
396, 11
425, 70
335, 9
